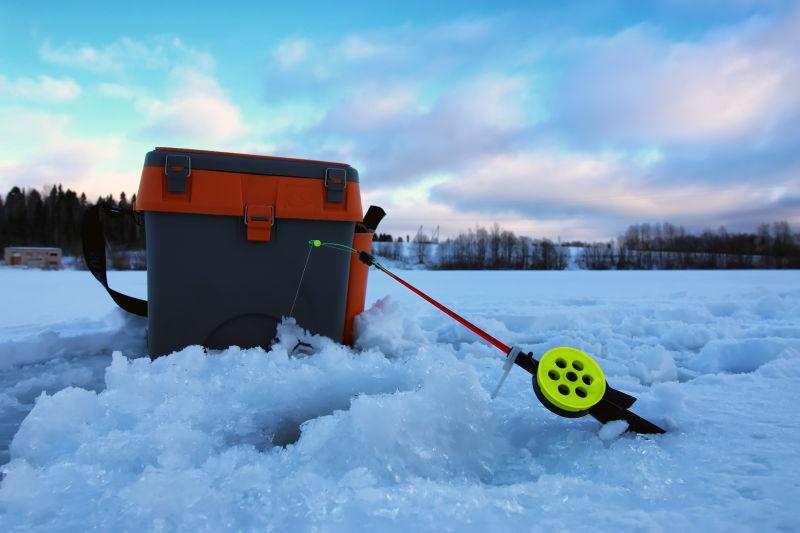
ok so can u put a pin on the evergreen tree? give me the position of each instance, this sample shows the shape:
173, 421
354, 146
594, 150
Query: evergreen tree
17, 224
3, 236
53, 218
35, 218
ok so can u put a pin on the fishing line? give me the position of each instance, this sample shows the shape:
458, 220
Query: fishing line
302, 275
449, 312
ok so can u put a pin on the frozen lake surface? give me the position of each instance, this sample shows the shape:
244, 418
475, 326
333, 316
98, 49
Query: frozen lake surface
400, 434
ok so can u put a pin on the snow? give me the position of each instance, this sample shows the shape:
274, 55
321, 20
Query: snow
400, 434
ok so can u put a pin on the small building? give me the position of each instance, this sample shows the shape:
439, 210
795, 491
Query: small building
33, 257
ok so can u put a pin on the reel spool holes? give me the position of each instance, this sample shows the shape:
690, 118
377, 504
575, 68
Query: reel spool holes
569, 380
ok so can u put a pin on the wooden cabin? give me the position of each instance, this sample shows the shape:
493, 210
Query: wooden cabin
33, 257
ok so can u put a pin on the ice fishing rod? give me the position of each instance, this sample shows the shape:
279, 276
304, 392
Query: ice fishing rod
566, 381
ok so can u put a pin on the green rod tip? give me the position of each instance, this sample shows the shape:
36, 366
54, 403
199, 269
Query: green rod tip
315, 242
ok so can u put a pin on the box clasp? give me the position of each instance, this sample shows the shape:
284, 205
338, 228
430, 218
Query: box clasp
178, 168
259, 220
335, 184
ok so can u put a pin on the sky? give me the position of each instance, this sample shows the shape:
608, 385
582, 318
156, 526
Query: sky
554, 119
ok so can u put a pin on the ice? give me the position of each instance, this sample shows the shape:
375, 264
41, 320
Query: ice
58, 329
399, 433
389, 328
116, 330
653, 364
742, 355
612, 430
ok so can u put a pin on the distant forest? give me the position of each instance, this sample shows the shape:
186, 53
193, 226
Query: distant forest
642, 247
483, 249
53, 218
666, 246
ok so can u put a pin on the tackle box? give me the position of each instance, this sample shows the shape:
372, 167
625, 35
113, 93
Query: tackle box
227, 239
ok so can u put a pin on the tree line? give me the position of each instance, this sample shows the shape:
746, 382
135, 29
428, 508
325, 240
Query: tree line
641, 247
498, 249
667, 246
475, 249
52, 217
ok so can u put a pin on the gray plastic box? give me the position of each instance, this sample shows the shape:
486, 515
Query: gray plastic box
212, 277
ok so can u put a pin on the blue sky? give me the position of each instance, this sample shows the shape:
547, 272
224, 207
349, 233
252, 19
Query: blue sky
570, 120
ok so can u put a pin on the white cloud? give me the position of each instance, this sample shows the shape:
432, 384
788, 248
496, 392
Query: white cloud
605, 188
22, 128
395, 139
100, 60
41, 148
371, 107
188, 106
730, 84
410, 208
115, 90
291, 52
192, 108
196, 109
356, 47
42, 88
202, 116
406, 51
125, 54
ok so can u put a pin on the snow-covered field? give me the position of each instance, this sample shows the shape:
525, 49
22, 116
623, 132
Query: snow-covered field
401, 435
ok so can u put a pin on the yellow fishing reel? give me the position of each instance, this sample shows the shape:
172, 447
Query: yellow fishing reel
568, 382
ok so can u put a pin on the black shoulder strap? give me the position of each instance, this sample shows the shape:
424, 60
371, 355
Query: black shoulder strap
94, 255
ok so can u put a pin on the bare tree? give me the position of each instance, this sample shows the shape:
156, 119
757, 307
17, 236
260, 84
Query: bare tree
421, 241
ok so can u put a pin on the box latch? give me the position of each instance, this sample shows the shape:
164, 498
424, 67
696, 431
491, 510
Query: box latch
335, 183
259, 220
178, 168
